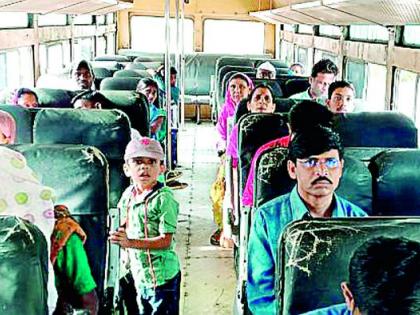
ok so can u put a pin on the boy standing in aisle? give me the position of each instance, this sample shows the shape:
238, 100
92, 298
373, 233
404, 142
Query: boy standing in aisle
151, 214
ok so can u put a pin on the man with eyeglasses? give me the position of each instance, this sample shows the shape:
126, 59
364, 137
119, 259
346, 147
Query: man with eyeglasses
315, 161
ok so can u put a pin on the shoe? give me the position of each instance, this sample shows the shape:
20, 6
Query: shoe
215, 237
172, 175
174, 184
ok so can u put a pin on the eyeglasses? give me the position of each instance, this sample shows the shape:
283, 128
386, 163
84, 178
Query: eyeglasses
328, 162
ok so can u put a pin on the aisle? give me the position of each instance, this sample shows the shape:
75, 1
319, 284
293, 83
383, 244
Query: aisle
208, 274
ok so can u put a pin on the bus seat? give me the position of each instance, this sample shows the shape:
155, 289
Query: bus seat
100, 74
119, 84
57, 98
131, 74
111, 65
117, 58
314, 257
135, 66
295, 85
254, 131
281, 72
23, 267
376, 129
79, 176
283, 105
151, 64
134, 105
278, 64
272, 179
108, 130
23, 119
396, 181
275, 87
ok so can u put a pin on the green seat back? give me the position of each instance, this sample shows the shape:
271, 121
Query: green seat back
23, 268
117, 58
131, 74
108, 130
135, 66
79, 176
54, 97
314, 256
23, 119
119, 84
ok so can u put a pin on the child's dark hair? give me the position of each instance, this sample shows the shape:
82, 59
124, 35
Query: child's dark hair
92, 96
339, 85
384, 277
23, 91
308, 114
146, 82
314, 141
324, 66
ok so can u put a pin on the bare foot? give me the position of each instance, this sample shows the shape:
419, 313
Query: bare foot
226, 242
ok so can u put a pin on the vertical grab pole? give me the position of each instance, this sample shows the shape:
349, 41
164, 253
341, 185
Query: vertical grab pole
182, 66
168, 86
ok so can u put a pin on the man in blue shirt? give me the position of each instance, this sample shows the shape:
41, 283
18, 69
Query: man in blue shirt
315, 161
383, 279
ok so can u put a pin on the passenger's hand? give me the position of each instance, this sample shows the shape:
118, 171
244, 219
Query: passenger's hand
120, 238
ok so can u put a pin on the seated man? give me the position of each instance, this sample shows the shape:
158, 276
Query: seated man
340, 97
26, 98
83, 75
297, 69
266, 71
383, 279
323, 74
315, 161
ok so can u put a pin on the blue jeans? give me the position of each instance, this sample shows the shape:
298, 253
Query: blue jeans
164, 300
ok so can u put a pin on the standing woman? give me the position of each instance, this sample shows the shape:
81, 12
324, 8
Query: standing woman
239, 87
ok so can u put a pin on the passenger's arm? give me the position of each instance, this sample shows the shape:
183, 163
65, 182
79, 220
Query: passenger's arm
120, 238
261, 269
155, 126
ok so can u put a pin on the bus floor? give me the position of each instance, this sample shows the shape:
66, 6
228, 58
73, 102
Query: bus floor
208, 284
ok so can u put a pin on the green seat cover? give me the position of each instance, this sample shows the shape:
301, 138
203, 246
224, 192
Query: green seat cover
23, 119
119, 84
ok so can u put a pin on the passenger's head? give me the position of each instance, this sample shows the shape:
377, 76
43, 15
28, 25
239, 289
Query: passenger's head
341, 97
83, 75
384, 278
266, 71
149, 88
144, 162
323, 74
26, 98
172, 71
315, 161
297, 69
261, 100
239, 87
89, 100
308, 114
7, 128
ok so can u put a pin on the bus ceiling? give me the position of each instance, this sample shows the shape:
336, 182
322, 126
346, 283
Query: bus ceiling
97, 7
341, 12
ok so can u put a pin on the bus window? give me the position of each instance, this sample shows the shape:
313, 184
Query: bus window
16, 67
110, 18
373, 33
376, 87
330, 30
13, 19
223, 36
289, 27
83, 48
411, 35
405, 92
305, 29
305, 57
321, 54
148, 34
83, 20
52, 19
100, 46
100, 19
356, 74
54, 57
110, 44
286, 52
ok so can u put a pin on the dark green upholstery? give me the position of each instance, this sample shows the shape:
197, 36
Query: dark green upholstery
23, 268
273, 84
111, 65
272, 179
102, 73
79, 176
254, 131
117, 58
293, 85
396, 183
55, 97
119, 84
108, 130
134, 105
23, 119
376, 129
135, 66
314, 255
131, 74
